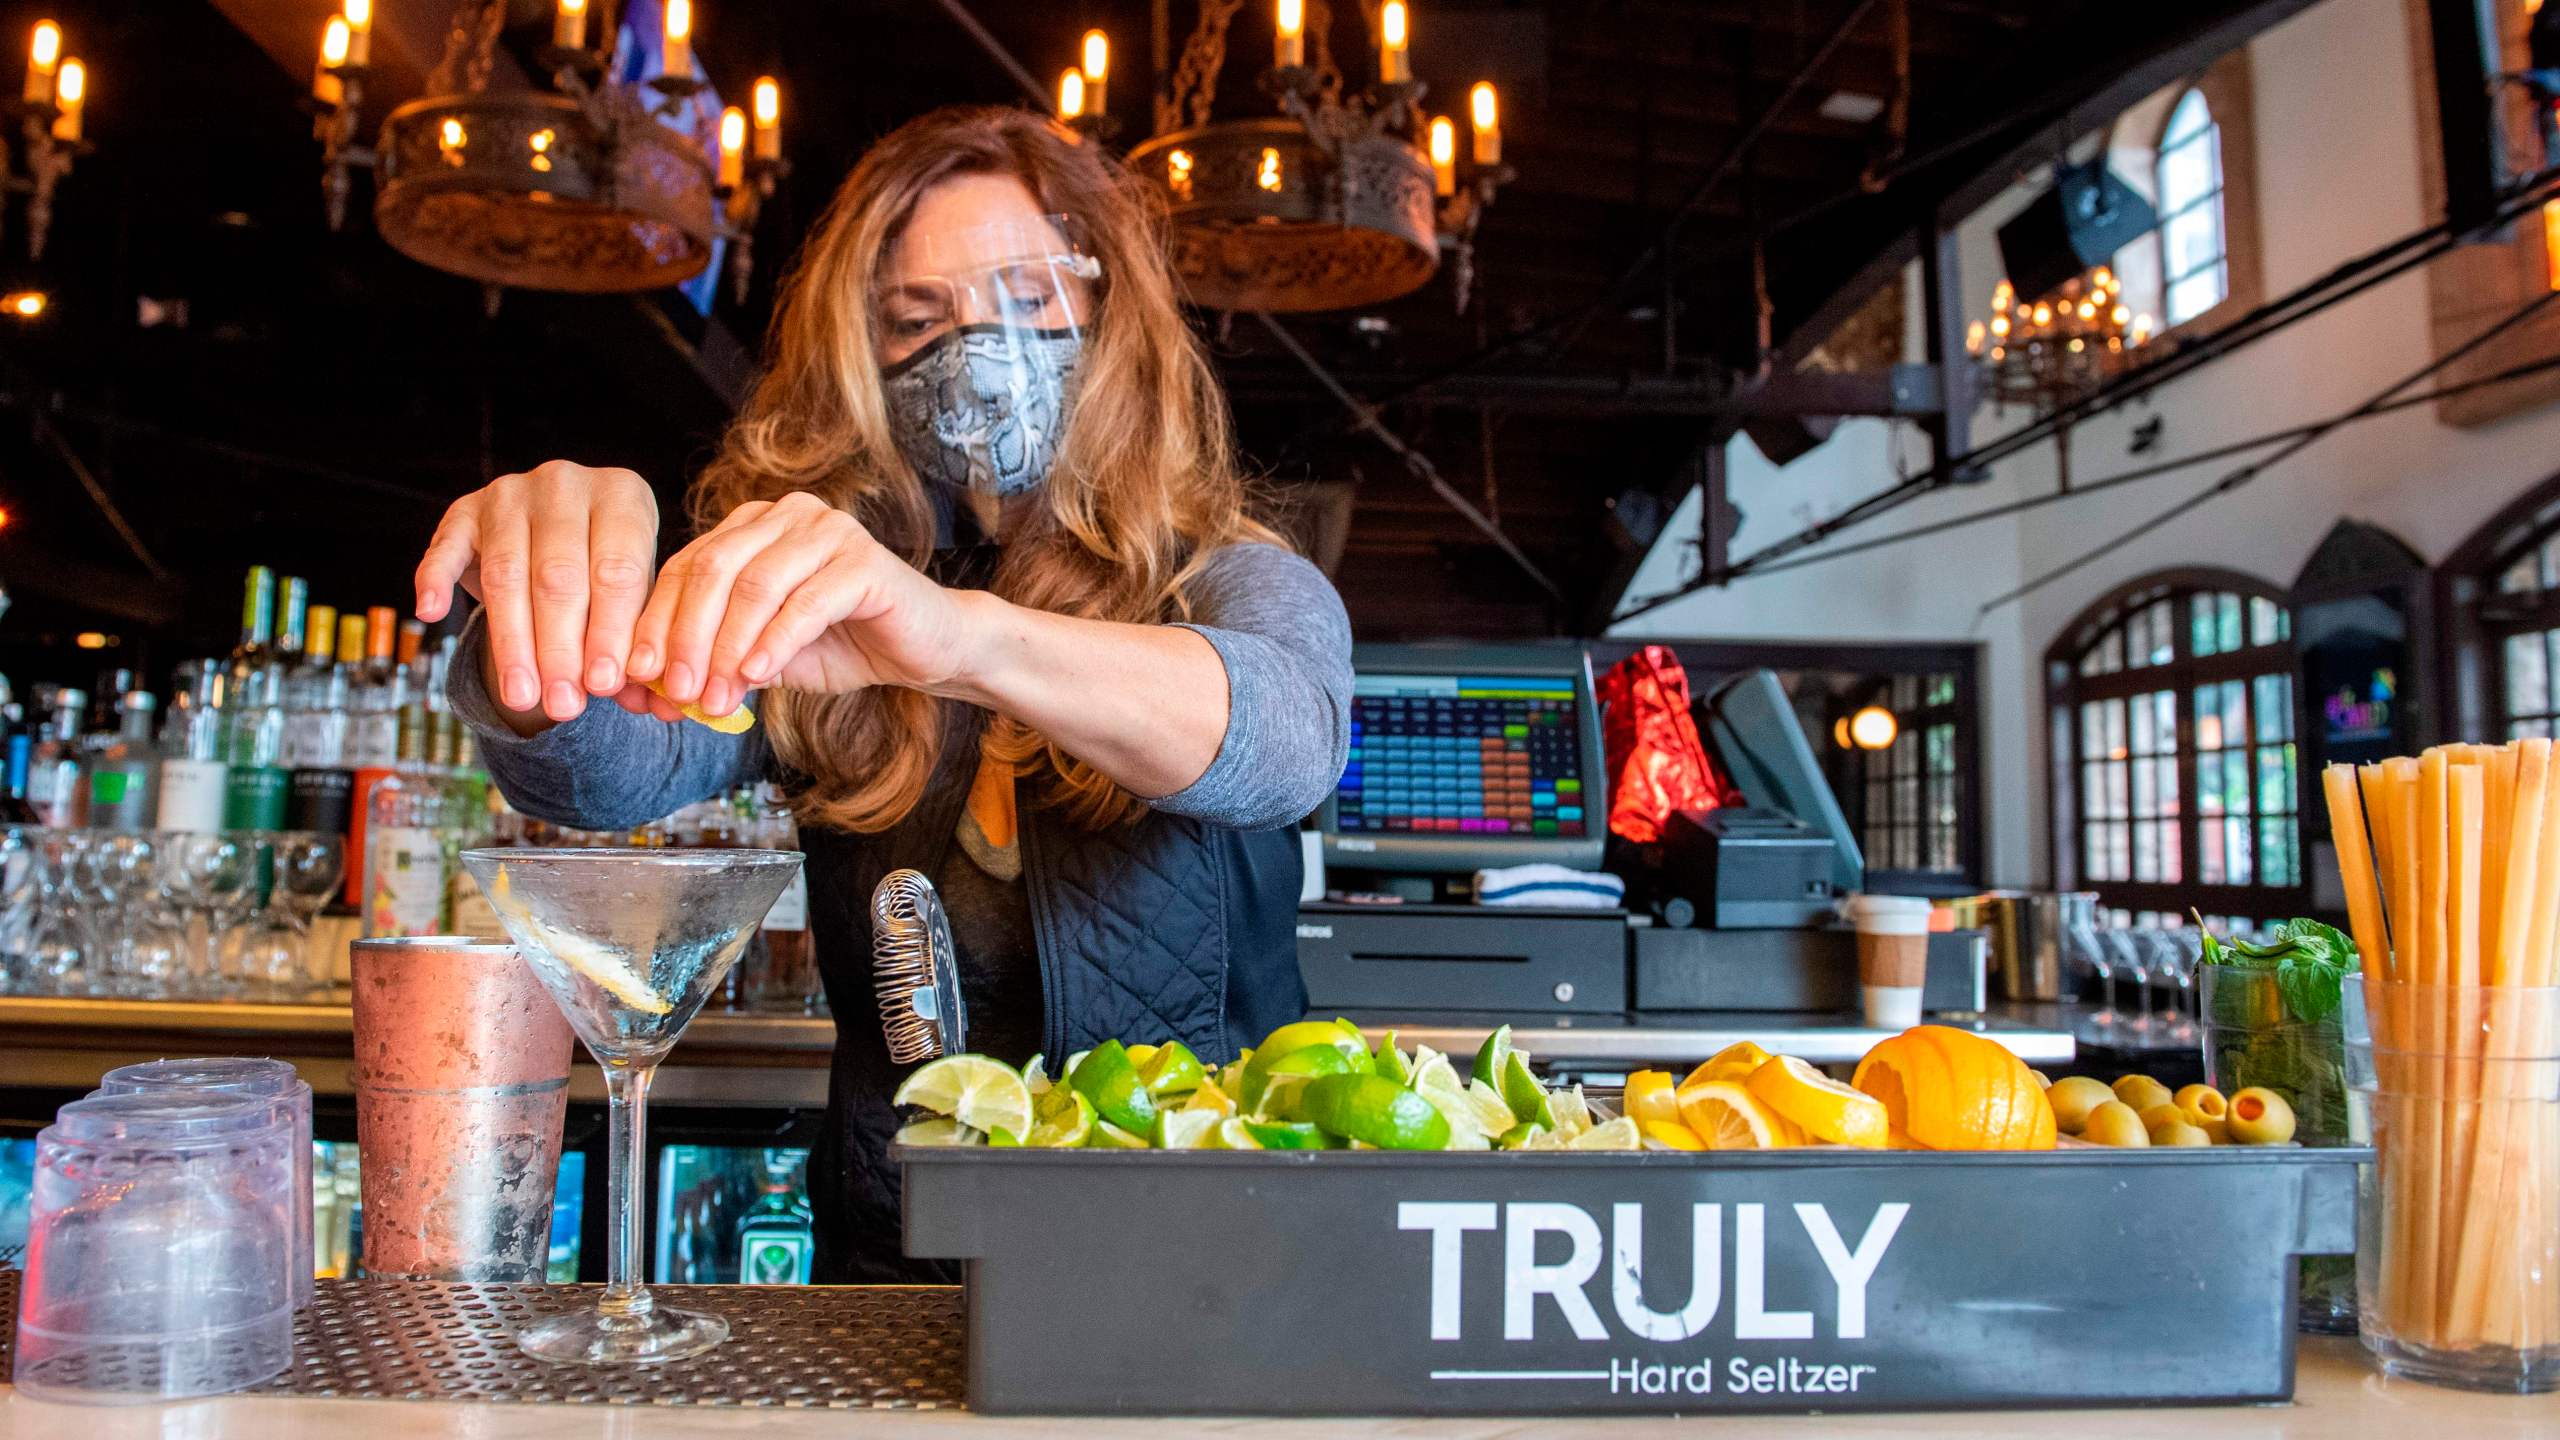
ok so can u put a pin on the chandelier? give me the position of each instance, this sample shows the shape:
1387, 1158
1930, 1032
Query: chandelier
50, 109
600, 184
2046, 354
1335, 201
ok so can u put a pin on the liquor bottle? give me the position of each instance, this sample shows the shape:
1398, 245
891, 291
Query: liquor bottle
378, 695
404, 853
320, 790
481, 818
106, 706
56, 786
786, 976
255, 786
194, 774
123, 778
774, 1236
306, 686
293, 597
14, 809
257, 626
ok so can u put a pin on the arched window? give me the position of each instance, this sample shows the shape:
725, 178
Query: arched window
2518, 615
2195, 266
2173, 730
1911, 821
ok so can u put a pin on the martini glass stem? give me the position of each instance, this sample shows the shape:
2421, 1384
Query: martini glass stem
626, 1299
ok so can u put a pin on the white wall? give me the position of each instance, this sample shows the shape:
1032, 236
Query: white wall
2335, 177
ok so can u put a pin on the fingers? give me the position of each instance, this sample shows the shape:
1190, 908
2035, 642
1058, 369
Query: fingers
836, 591
448, 558
506, 596
622, 544
672, 640
556, 543
641, 700
779, 576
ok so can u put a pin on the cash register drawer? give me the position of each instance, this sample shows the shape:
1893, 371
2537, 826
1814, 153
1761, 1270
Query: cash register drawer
1464, 957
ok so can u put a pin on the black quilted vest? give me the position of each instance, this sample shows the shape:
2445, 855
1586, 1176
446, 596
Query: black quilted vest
1165, 928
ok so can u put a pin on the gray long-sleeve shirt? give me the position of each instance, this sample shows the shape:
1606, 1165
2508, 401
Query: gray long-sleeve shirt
1273, 618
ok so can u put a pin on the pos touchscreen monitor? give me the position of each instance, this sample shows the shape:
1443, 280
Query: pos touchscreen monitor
1467, 757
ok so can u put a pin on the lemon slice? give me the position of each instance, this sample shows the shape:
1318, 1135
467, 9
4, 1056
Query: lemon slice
1825, 1108
1728, 1117
1671, 1135
1649, 1099
1733, 1062
980, 1093
736, 722
586, 957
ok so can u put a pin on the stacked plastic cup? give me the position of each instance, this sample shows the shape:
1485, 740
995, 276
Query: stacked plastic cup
271, 1080
157, 1232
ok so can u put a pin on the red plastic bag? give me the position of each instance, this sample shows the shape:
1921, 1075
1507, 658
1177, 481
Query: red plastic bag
1656, 763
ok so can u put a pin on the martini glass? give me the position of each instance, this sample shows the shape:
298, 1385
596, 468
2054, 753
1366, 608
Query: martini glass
629, 943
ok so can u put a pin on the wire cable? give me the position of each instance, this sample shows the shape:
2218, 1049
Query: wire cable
2251, 471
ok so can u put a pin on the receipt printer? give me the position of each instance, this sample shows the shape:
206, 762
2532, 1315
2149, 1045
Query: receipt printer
1746, 868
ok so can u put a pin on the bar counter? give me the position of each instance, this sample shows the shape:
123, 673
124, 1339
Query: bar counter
2338, 1396
759, 1060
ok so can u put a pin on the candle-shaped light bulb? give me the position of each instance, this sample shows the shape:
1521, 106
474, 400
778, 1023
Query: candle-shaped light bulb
1289, 34
1096, 55
44, 51
1444, 155
1395, 61
326, 87
733, 146
1070, 94
569, 25
679, 39
768, 117
70, 94
1487, 119
359, 15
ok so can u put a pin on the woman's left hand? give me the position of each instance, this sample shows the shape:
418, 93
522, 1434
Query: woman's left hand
792, 592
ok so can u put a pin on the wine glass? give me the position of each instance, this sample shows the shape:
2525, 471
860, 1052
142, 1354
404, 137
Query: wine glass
274, 951
59, 951
205, 870
18, 896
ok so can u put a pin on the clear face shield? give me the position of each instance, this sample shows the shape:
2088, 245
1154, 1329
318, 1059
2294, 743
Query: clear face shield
979, 331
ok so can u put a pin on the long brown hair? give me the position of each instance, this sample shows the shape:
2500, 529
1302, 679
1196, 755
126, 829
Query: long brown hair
1145, 483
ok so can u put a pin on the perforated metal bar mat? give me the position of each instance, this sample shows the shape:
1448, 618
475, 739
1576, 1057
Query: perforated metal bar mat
818, 1347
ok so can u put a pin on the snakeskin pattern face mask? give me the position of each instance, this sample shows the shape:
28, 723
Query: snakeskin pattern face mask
984, 407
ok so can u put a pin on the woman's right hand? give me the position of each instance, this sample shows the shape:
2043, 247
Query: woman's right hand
561, 559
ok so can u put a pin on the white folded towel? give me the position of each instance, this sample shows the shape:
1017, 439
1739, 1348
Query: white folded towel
1554, 887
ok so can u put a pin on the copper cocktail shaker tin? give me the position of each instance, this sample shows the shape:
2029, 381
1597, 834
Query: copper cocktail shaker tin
462, 1085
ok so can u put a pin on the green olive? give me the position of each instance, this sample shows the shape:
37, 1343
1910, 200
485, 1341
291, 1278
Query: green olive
2114, 1123
2073, 1097
2202, 1105
2155, 1116
2141, 1092
2260, 1117
2179, 1132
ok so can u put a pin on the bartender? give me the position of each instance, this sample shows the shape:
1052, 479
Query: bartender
978, 551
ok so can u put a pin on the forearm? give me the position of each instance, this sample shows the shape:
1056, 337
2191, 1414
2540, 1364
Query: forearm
1144, 704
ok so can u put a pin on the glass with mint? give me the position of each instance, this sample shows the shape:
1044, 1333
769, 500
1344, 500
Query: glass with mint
2272, 1019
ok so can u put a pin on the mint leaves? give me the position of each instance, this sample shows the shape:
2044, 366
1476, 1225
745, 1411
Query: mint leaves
2311, 962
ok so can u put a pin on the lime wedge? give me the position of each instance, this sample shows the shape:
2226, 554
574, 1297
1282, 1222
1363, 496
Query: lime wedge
1490, 1055
1184, 1129
1107, 1136
1063, 1120
1233, 1134
1290, 1135
1389, 1062
1572, 1112
1491, 1112
1290, 1040
1109, 1079
1171, 1070
940, 1130
1376, 1110
1211, 1099
1139, 1055
1618, 1134
1519, 1136
1036, 1075
1466, 1128
1303, 1063
1522, 1092
980, 1093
